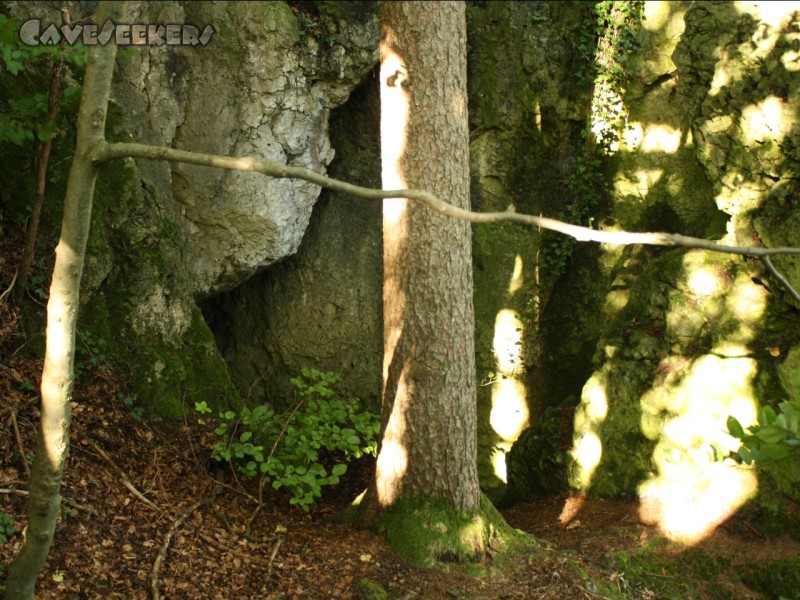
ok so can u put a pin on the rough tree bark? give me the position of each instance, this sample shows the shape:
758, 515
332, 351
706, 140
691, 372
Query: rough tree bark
428, 446
52, 444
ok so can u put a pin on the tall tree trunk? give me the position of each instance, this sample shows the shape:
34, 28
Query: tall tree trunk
52, 444
428, 446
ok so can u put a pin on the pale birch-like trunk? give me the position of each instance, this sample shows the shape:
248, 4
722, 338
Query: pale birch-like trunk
52, 444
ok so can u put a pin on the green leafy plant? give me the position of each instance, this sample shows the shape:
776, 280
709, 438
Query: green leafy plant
91, 354
23, 119
202, 409
609, 34
38, 285
26, 386
774, 437
6, 527
136, 412
288, 449
6, 531
608, 38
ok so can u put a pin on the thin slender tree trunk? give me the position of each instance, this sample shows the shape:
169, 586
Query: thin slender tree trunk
428, 446
52, 444
29, 254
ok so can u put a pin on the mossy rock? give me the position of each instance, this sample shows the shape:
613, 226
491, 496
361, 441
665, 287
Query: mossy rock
165, 378
366, 589
537, 462
699, 340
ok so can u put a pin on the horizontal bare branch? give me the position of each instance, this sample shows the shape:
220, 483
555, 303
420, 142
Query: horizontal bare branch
105, 151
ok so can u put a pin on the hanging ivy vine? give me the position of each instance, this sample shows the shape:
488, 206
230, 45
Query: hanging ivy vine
609, 35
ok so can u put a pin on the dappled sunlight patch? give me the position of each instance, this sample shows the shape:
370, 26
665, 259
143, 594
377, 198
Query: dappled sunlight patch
572, 506
687, 502
394, 129
587, 454
392, 462
661, 138
702, 281
507, 343
686, 411
589, 416
516, 277
764, 122
637, 184
699, 301
746, 300
498, 460
615, 301
770, 14
644, 137
509, 413
390, 468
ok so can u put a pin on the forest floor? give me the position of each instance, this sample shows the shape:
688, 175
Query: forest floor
140, 513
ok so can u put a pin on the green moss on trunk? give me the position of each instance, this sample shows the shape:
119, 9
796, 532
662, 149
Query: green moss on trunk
429, 532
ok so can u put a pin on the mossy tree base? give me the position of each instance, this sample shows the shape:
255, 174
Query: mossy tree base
430, 533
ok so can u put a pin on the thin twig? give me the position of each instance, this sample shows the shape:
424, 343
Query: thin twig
247, 535
10, 287
247, 557
779, 276
297, 406
275, 549
593, 595
21, 448
68, 501
124, 478
252, 385
162, 554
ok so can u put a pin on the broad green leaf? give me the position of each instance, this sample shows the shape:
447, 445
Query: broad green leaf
771, 434
773, 452
735, 428
766, 416
746, 455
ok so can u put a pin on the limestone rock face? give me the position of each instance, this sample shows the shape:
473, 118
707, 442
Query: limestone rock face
167, 235
739, 81
700, 337
263, 87
321, 307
